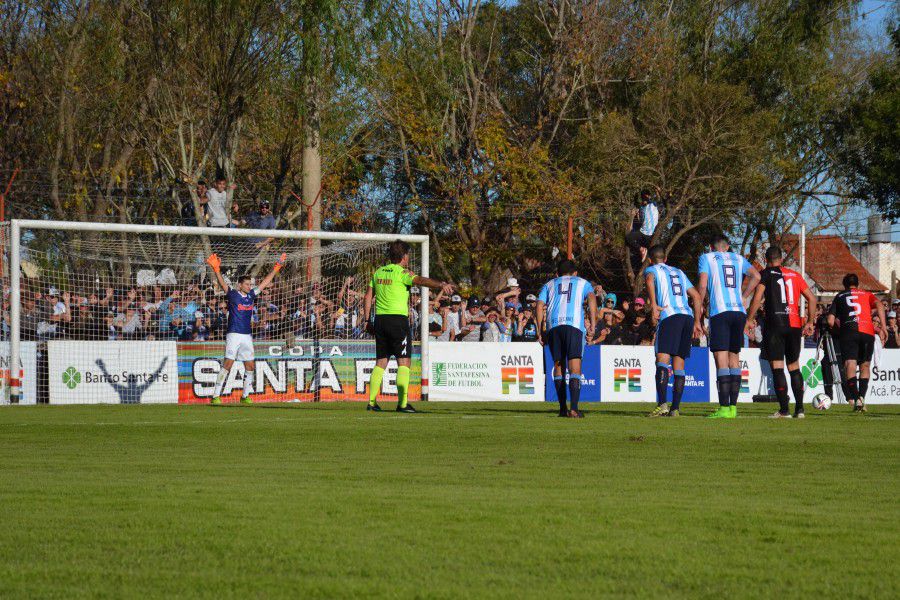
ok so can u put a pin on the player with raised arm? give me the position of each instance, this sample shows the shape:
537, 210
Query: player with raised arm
783, 328
670, 290
727, 278
561, 305
238, 339
852, 312
389, 293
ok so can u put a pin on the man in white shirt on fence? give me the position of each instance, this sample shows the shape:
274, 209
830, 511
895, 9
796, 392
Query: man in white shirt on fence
217, 203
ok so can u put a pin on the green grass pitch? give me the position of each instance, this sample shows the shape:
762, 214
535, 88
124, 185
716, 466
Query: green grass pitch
468, 500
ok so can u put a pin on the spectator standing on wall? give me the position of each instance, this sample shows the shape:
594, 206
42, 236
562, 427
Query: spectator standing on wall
217, 203
644, 224
188, 216
261, 218
236, 221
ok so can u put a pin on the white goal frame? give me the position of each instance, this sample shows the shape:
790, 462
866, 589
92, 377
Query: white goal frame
15, 266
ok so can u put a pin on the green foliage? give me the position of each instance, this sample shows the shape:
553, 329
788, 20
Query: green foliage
866, 135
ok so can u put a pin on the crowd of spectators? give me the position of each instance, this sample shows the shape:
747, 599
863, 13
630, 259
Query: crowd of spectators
198, 312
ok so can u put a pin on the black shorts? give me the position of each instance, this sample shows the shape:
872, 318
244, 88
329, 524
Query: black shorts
726, 331
392, 337
565, 343
782, 343
673, 335
857, 346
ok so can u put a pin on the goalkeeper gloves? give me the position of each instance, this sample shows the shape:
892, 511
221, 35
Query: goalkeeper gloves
214, 262
280, 262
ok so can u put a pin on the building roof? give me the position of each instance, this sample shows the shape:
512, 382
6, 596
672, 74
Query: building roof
828, 259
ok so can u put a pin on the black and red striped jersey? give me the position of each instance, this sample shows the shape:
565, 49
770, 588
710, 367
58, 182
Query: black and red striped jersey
853, 309
783, 288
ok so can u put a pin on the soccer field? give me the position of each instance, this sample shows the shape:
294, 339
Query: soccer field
464, 500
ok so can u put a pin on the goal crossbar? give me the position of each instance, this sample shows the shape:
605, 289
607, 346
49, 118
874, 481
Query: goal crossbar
15, 265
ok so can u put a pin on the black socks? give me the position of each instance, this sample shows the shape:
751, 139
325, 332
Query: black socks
863, 387
735, 386
677, 389
797, 388
574, 391
662, 382
559, 382
781, 391
723, 385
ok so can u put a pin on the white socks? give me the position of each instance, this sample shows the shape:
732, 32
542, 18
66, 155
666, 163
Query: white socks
223, 375
220, 381
248, 383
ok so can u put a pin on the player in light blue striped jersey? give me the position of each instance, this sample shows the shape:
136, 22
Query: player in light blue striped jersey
561, 306
729, 279
670, 290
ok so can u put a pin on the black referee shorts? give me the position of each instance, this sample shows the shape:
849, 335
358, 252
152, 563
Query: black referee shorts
782, 343
392, 336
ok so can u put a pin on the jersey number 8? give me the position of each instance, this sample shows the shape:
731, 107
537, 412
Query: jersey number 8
730, 276
675, 280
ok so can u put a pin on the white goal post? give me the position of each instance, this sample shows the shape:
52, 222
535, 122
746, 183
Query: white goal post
89, 248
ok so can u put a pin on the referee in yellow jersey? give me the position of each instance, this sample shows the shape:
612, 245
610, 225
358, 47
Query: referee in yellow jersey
389, 289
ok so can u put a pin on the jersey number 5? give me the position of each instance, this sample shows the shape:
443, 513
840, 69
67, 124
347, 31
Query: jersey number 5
855, 307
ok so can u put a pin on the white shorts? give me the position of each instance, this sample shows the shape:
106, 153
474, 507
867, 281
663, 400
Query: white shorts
239, 346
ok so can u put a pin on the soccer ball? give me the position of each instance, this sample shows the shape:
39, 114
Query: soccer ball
821, 402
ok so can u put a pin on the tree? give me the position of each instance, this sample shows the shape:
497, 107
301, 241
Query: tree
867, 137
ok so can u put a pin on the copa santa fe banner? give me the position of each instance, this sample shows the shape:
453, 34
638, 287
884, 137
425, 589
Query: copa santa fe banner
302, 372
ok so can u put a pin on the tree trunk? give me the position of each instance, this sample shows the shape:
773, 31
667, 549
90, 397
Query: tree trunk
312, 178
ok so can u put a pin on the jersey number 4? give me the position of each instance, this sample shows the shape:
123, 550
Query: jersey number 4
565, 291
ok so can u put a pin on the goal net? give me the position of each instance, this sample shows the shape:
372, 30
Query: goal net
132, 314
